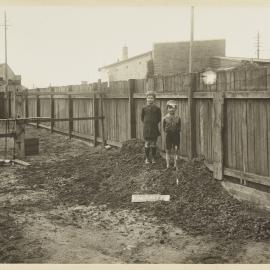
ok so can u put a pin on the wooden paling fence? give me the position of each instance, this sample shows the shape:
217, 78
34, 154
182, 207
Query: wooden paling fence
74, 109
228, 123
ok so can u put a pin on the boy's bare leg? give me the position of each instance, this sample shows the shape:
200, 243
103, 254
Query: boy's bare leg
154, 154
168, 154
175, 156
147, 152
154, 151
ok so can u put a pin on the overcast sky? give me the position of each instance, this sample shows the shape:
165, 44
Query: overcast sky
66, 45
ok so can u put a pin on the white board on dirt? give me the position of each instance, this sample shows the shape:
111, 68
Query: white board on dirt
149, 198
21, 162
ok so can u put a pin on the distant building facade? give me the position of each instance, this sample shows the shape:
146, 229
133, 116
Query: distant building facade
128, 68
232, 62
10, 73
173, 57
12, 77
165, 58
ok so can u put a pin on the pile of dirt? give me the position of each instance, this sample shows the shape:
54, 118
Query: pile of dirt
132, 147
199, 204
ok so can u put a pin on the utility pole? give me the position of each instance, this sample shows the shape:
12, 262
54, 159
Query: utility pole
258, 45
5, 29
191, 38
6, 71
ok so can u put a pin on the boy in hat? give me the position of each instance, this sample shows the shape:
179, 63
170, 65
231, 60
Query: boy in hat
172, 127
151, 117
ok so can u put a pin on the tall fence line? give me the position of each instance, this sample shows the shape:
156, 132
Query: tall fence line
228, 123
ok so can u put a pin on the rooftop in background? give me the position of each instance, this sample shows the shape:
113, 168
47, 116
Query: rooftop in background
226, 62
243, 59
126, 60
13, 79
165, 58
10, 72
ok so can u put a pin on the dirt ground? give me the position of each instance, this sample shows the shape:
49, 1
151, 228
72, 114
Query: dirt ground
73, 205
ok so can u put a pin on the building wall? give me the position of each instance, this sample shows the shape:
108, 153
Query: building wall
11, 74
135, 68
173, 57
216, 62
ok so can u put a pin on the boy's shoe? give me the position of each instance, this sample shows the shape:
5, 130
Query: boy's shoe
154, 161
147, 161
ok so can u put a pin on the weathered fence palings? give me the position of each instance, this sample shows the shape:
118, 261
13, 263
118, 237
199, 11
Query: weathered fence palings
218, 120
132, 112
228, 82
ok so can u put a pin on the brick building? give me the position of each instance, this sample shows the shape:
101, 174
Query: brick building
165, 58
173, 57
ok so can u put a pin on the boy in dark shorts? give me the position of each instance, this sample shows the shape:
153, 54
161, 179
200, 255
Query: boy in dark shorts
151, 117
172, 128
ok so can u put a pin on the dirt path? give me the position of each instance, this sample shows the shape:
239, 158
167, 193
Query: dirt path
91, 234
37, 227
100, 241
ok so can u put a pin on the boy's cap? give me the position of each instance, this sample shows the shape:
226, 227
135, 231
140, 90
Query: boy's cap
172, 103
151, 93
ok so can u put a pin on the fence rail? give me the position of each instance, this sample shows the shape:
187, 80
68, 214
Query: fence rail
228, 123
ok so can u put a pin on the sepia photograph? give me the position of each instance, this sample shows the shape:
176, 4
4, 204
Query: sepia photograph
134, 132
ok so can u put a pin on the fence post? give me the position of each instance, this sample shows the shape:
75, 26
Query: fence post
9, 103
191, 126
52, 109
95, 120
101, 111
13, 108
2, 104
218, 123
267, 78
20, 127
131, 109
38, 107
19, 103
70, 113
95, 111
26, 103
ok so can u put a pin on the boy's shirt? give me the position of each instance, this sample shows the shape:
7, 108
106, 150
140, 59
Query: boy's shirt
151, 116
171, 123
151, 113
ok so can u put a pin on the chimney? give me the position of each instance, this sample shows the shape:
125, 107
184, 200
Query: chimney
125, 53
